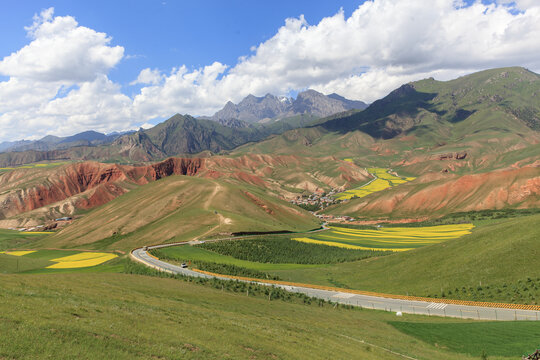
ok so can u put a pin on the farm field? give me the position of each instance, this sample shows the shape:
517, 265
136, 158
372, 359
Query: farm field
100, 314
280, 249
387, 239
33, 166
383, 180
51, 261
187, 253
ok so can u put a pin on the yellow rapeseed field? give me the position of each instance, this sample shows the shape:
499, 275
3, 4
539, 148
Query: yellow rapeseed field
81, 260
18, 253
388, 239
383, 180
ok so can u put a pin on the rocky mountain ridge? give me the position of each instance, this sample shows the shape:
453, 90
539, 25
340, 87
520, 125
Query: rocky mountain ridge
253, 109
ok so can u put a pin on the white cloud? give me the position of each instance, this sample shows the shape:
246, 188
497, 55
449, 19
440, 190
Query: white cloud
383, 44
61, 50
58, 84
148, 76
194, 92
147, 126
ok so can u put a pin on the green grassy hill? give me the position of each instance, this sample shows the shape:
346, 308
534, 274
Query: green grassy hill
119, 316
497, 262
180, 208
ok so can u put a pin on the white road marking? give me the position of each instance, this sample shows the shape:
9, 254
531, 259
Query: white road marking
438, 306
343, 296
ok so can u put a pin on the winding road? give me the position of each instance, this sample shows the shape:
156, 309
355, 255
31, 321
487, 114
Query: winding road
348, 297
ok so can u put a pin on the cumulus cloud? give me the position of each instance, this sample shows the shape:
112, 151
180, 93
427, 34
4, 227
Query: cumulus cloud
61, 50
57, 83
148, 76
383, 44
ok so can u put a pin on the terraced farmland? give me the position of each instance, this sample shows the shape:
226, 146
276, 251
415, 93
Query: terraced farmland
387, 239
382, 180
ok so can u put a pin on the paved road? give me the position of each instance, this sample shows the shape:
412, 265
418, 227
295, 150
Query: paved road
364, 301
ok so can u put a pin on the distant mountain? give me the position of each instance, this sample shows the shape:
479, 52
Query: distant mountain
499, 99
485, 114
51, 142
254, 109
184, 134
484, 121
9, 144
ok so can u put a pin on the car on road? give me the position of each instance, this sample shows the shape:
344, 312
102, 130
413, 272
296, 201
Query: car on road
184, 265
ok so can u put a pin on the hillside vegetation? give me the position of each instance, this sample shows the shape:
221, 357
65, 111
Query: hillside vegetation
180, 208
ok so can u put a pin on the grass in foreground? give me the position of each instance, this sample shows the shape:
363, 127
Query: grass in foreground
119, 316
489, 338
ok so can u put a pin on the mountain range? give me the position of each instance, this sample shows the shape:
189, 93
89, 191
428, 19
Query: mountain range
497, 109
474, 141
51, 142
252, 120
269, 108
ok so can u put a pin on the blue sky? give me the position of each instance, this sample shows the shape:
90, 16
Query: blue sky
165, 34
71, 66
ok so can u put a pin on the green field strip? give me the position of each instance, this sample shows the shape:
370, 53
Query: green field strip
193, 253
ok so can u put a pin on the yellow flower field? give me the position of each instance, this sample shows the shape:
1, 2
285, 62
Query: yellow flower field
18, 253
81, 260
383, 180
388, 238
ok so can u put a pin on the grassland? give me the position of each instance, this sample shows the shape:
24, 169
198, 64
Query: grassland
383, 180
387, 239
476, 339
118, 316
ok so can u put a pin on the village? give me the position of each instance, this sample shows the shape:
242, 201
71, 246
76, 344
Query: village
320, 200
